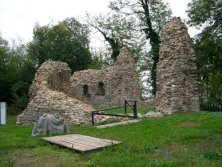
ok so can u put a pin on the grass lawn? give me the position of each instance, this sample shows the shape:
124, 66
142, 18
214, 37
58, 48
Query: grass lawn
185, 139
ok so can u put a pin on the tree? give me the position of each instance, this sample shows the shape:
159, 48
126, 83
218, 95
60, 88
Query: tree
16, 74
4, 81
66, 41
150, 15
117, 30
207, 15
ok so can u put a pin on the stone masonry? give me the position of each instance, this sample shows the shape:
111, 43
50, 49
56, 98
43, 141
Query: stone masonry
177, 89
49, 94
54, 90
109, 86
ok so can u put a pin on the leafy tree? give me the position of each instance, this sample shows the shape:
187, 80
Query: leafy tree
66, 41
150, 16
16, 74
4, 80
207, 15
117, 30
209, 60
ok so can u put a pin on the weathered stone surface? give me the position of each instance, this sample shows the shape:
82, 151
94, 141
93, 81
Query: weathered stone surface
48, 95
177, 89
151, 102
53, 91
109, 86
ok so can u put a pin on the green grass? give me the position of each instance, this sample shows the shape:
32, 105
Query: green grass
187, 139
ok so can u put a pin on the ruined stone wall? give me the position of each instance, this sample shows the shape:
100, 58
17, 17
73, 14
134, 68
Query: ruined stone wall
53, 91
177, 89
49, 94
54, 75
109, 86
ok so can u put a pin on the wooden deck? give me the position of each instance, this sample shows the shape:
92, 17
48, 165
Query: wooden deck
80, 143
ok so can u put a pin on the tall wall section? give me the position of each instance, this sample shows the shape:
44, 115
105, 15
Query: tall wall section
177, 89
109, 86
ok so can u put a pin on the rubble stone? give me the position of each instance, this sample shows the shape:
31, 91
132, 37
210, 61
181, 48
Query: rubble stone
49, 94
177, 89
55, 91
109, 86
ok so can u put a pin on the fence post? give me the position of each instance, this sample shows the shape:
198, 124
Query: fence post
92, 118
0, 113
125, 106
3, 113
135, 109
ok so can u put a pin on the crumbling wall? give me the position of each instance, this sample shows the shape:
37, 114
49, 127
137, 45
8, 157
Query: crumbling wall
53, 91
49, 93
177, 89
109, 86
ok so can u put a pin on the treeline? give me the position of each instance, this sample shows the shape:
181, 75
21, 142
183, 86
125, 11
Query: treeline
134, 24
16, 74
207, 15
66, 41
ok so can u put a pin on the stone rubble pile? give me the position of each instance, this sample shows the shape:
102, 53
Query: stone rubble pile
54, 75
47, 96
177, 89
54, 90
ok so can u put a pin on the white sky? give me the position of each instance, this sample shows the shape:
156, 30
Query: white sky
18, 17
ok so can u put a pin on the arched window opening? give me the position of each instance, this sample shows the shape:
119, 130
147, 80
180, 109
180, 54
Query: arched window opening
85, 90
101, 89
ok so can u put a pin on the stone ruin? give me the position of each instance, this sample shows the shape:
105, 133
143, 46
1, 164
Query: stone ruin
54, 90
177, 87
109, 86
49, 93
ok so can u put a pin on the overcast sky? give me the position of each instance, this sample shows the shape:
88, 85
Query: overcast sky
18, 17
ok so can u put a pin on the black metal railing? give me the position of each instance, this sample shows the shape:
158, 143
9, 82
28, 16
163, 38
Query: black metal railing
0, 113
127, 103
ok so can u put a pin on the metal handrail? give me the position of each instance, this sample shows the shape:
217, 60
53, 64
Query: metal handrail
126, 104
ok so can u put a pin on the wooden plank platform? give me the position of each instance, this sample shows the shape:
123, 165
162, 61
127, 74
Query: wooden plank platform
80, 143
